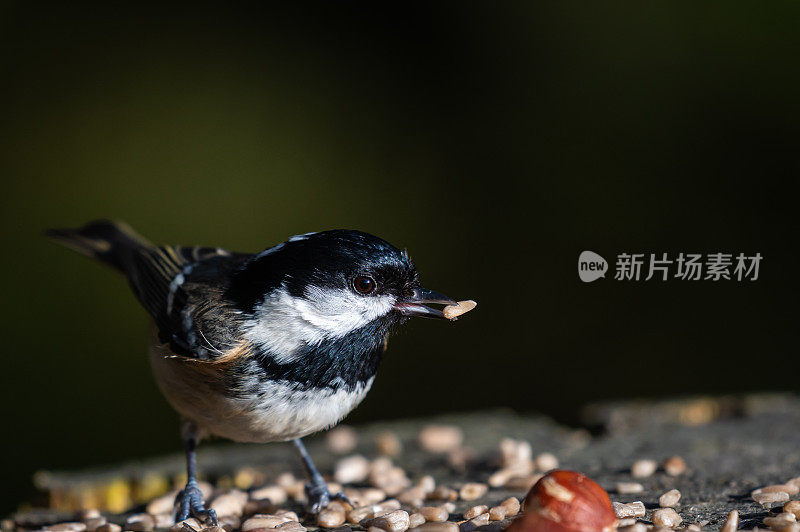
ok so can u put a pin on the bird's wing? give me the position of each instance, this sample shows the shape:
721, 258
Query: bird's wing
183, 289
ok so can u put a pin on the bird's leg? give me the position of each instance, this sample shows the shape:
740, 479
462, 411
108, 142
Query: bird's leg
189, 502
317, 489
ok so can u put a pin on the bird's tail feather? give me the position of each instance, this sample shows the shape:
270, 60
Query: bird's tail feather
113, 243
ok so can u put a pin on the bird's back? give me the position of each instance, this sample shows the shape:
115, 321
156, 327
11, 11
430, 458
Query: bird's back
179, 286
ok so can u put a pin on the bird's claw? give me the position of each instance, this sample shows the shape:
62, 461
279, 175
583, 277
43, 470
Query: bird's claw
319, 497
189, 503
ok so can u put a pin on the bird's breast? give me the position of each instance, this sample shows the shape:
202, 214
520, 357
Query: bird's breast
284, 411
262, 409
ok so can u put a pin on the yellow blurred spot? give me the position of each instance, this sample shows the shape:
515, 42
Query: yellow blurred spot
699, 412
247, 477
151, 486
225, 482
117, 496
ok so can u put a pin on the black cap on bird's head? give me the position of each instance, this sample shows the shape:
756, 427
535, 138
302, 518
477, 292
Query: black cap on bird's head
349, 274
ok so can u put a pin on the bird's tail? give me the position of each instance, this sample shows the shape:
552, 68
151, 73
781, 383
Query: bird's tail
113, 243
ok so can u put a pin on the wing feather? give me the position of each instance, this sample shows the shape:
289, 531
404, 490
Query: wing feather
182, 288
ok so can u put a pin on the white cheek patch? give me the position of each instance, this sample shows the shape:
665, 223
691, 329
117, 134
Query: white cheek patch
340, 311
283, 323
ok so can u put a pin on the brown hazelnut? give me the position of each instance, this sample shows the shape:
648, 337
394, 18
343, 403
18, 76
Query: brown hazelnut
566, 501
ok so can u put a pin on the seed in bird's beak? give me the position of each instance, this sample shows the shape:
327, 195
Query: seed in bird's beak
452, 312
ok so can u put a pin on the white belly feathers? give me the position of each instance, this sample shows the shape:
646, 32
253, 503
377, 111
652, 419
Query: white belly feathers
284, 413
280, 412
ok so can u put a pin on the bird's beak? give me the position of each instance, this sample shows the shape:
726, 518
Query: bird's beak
414, 304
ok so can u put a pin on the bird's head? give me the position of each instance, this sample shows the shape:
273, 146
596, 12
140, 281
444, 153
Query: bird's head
328, 285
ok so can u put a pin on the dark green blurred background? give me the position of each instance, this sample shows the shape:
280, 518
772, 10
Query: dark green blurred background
495, 142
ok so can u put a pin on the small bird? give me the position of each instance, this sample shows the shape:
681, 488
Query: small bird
263, 347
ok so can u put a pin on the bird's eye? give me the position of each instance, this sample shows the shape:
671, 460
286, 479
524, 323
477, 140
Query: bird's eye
364, 285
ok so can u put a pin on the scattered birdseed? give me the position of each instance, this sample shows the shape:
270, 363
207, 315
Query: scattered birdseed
426, 507
460, 458
396, 521
500, 478
434, 513
413, 496
780, 522
264, 521
328, 518
475, 511
427, 484
371, 496
440, 438
473, 490
186, 524
89, 513
497, 513
288, 514
644, 468
342, 439
480, 520
518, 475
415, 520
511, 505
231, 503
93, 523
137, 523
351, 470
230, 522
523, 483
629, 487
160, 520
291, 526
792, 507
293, 487
437, 527
357, 515
546, 462
631, 509
67, 527
275, 494
515, 452
386, 476
389, 504
666, 517
387, 443
163, 504
637, 527
451, 312
669, 499
443, 493
766, 499
259, 506
674, 466
776, 488
787, 527
339, 506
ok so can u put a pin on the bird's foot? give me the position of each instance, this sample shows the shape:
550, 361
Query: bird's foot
319, 497
189, 503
